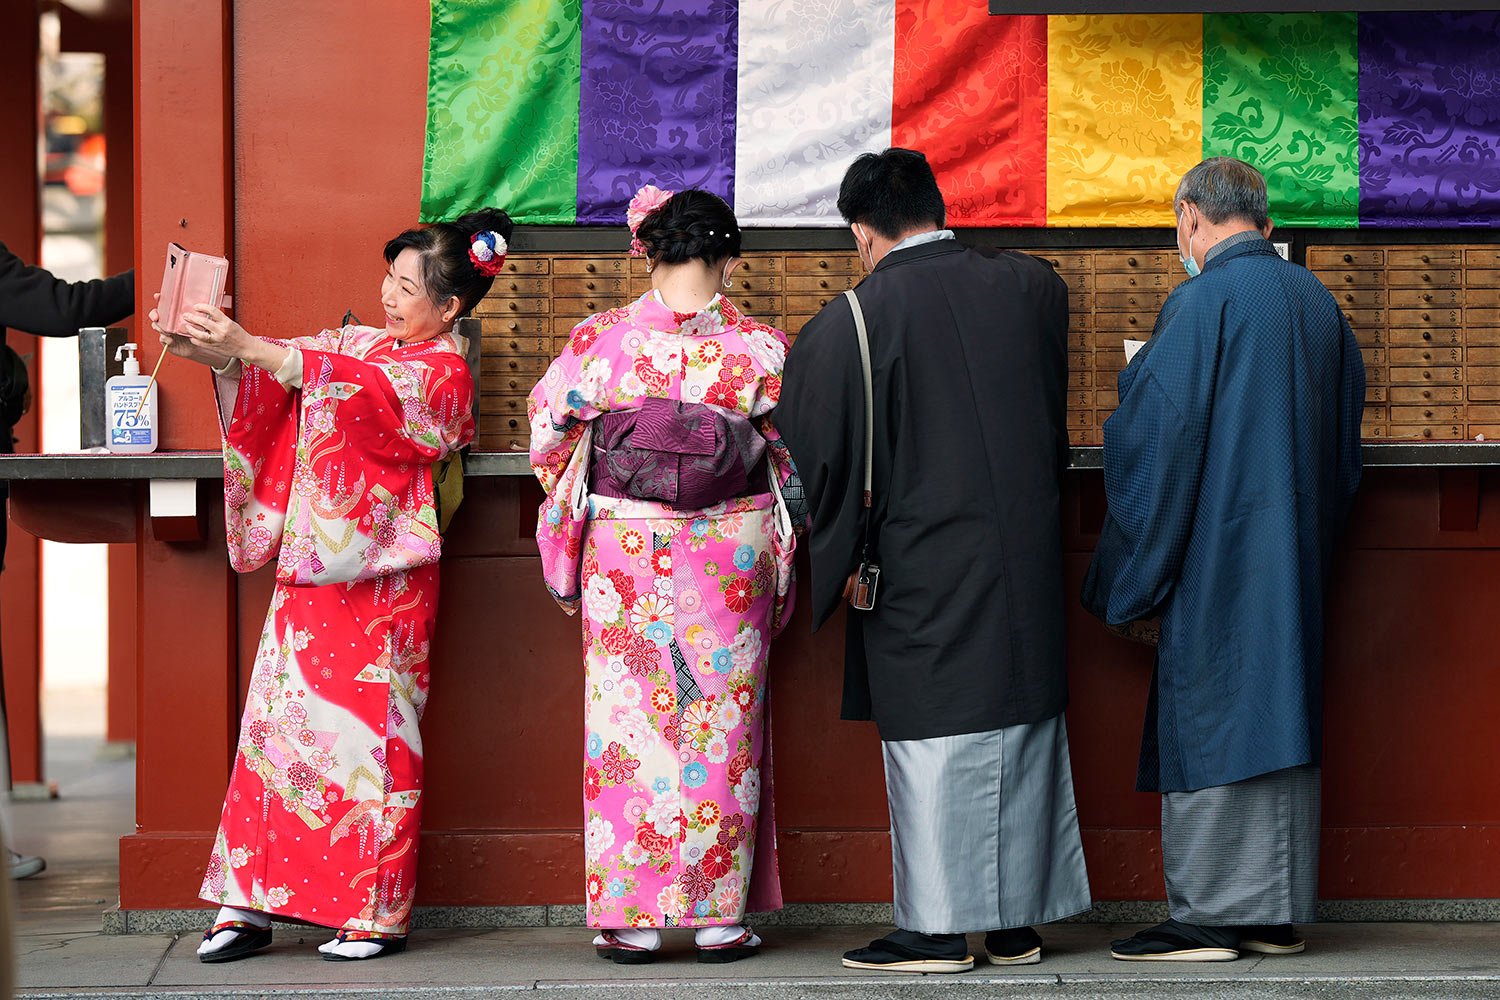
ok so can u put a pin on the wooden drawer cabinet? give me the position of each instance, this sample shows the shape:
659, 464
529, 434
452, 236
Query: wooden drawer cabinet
1423, 356
617, 287
603, 266
1420, 257
1130, 302
1335, 258
1355, 279
1126, 281
1134, 260
1445, 318
1418, 336
1424, 297
1426, 394
501, 327
841, 263
1430, 278
821, 283
511, 305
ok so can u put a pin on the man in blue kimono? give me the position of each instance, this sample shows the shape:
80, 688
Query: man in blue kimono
1230, 467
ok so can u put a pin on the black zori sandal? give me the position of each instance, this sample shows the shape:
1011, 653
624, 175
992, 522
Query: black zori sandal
733, 951
617, 951
1274, 939
908, 951
389, 944
1173, 942
248, 940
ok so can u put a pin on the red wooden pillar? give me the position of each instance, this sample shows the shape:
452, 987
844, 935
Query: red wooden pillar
21, 231
187, 679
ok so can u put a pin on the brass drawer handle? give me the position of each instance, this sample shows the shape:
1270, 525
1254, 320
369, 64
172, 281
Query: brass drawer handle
1349, 278
589, 285
823, 264
589, 268
1348, 258
822, 282
1130, 261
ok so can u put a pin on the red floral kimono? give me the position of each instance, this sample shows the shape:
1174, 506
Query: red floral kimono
333, 480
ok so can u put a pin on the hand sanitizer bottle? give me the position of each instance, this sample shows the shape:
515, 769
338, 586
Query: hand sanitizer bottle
132, 426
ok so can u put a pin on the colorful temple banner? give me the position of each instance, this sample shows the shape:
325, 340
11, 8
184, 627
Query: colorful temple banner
559, 110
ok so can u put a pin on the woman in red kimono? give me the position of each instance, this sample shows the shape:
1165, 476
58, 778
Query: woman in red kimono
329, 447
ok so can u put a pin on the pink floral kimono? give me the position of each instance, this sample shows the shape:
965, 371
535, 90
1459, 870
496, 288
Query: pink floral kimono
333, 481
679, 608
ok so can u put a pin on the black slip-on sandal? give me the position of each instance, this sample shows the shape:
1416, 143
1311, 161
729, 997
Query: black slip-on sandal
1273, 939
247, 941
390, 944
1164, 943
719, 954
1014, 946
886, 955
617, 951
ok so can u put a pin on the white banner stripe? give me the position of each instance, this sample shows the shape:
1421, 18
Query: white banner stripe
815, 91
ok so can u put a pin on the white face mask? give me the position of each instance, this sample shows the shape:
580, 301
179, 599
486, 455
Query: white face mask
1186, 256
862, 246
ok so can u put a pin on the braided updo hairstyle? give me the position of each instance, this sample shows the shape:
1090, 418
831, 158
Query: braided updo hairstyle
447, 270
691, 225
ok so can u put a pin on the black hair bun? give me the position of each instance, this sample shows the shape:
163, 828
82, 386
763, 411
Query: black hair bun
485, 220
691, 225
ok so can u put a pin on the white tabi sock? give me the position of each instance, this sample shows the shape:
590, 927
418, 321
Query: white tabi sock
711, 937
350, 949
222, 938
648, 938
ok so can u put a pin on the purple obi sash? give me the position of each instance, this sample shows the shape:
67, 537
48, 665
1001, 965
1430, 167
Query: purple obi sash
685, 455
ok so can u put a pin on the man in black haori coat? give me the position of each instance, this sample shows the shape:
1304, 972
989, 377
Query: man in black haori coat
960, 660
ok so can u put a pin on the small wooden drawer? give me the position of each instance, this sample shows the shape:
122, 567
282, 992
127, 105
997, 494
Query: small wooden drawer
1106, 399
766, 308
1080, 437
1480, 278
834, 263
1066, 263
507, 385
1427, 394
1080, 399
1341, 257
1365, 319
1417, 335
506, 346
562, 326
821, 283
502, 406
1080, 302
1377, 376
1370, 337
1133, 260
506, 286
617, 267
514, 326
1109, 360
1139, 324
1424, 356
1482, 375
754, 284
1482, 335
1482, 256
1480, 297
1355, 297
1484, 432
493, 441
1079, 341
582, 306
508, 305
1482, 316
527, 263
1080, 378
1080, 418
1079, 361
1487, 412
1129, 301
1373, 414
1483, 393
533, 364
1436, 413
1423, 298
1374, 356
1420, 257
1437, 318
1433, 277
1336, 280
807, 303
610, 286
1375, 431
1427, 432
757, 264
1126, 281
1376, 393
1423, 376
1483, 355
794, 324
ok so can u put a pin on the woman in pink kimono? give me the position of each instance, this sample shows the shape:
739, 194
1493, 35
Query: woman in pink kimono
665, 523
330, 445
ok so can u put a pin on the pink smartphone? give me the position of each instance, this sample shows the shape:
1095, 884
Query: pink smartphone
189, 280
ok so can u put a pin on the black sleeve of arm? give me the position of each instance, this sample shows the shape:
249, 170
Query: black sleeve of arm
821, 419
34, 301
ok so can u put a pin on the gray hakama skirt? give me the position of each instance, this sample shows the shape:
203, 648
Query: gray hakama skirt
1245, 853
984, 830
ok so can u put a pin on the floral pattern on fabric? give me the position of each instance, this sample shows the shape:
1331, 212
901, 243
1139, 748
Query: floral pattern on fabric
1429, 119
333, 480
679, 609
1124, 116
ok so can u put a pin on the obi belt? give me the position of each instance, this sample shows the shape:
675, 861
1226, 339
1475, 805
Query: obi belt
688, 456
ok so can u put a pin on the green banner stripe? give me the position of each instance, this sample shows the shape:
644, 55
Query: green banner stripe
1281, 91
502, 109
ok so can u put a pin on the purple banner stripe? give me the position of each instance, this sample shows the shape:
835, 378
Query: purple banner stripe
657, 104
1429, 119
